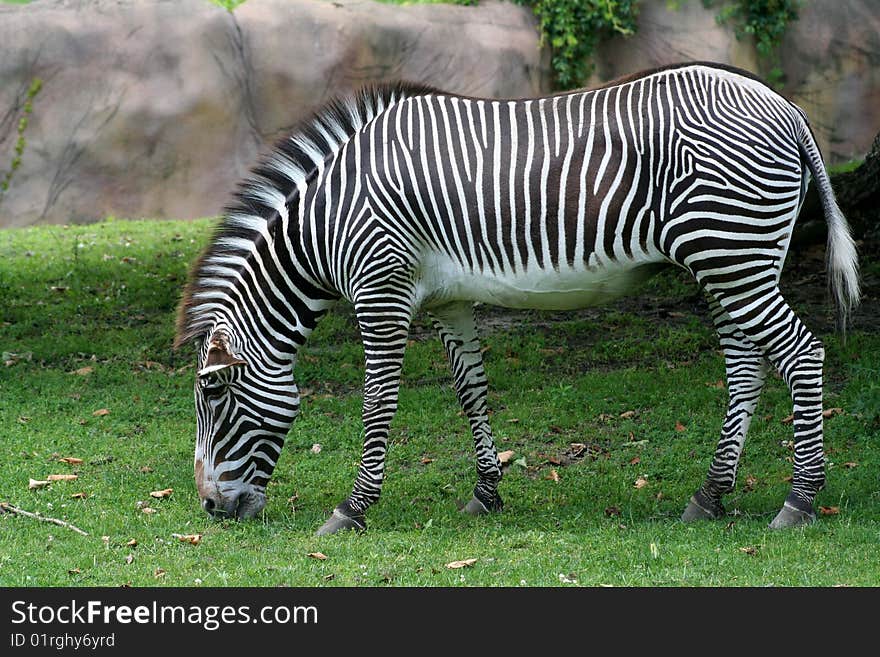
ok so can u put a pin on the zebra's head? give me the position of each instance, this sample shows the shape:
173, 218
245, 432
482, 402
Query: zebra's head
244, 409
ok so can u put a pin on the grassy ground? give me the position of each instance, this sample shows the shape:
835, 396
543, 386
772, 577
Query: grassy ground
86, 323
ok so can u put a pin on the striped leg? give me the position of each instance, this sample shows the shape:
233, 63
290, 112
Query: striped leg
769, 323
384, 316
746, 370
458, 333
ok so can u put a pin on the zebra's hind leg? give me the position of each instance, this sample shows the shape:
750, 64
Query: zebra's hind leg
458, 333
384, 315
769, 323
746, 370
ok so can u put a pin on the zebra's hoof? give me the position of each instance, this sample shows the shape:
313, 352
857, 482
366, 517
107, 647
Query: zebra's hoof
476, 507
701, 508
339, 522
791, 516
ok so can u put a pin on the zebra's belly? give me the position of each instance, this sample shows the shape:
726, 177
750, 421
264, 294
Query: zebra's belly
444, 281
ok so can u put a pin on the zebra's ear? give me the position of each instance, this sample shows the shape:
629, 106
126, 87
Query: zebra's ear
219, 356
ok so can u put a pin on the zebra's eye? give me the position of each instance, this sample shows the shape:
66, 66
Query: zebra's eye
211, 389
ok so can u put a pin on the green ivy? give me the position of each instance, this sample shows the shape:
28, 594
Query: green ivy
20, 143
573, 29
765, 21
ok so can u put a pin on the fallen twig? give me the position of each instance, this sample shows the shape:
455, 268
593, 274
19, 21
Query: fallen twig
6, 507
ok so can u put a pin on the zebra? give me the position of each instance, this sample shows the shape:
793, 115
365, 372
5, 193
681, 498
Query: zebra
404, 197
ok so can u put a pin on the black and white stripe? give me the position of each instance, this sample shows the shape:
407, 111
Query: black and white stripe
405, 197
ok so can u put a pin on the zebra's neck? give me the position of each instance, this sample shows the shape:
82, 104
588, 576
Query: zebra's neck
255, 282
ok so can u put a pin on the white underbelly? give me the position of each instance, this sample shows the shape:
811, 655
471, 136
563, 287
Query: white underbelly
443, 280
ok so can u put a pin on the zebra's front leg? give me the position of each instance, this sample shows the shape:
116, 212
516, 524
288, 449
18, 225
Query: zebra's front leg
458, 333
384, 331
746, 370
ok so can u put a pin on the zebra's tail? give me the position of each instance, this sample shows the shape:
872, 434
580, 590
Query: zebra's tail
841, 257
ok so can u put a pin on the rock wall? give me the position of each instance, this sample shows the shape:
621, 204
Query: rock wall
156, 108
830, 59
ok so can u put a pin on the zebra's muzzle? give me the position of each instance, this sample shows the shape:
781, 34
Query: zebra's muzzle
243, 505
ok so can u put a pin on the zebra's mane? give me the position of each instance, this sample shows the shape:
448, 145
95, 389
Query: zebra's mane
273, 186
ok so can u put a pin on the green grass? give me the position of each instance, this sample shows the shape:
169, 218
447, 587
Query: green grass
845, 167
102, 296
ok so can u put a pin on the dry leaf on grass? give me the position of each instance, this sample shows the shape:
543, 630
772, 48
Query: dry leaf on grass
83, 371
425, 460
505, 456
751, 482
635, 460
100, 412
850, 464
159, 572
132, 543
192, 539
70, 460
62, 477
641, 482
74, 571
159, 494
146, 469
612, 511
829, 510
320, 556
316, 448
79, 496
464, 563
148, 510
749, 550
680, 427
36, 483
788, 419
129, 559
716, 384
553, 475
627, 414
829, 412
